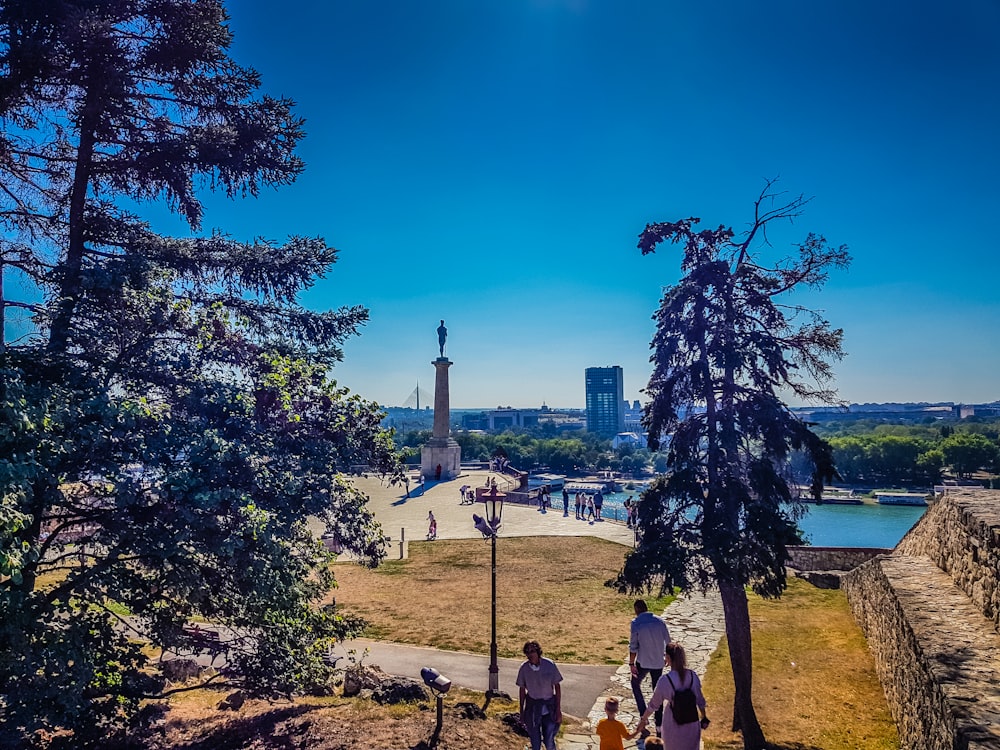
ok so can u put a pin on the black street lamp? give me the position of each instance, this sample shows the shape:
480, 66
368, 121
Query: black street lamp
493, 507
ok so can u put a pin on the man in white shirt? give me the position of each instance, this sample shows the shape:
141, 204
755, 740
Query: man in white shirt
647, 647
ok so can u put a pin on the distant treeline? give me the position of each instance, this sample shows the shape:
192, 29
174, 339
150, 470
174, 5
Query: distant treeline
529, 450
865, 451
893, 454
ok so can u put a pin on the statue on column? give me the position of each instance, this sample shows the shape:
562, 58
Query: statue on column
442, 335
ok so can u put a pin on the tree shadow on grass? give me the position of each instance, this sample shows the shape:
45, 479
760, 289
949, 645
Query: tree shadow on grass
261, 729
737, 744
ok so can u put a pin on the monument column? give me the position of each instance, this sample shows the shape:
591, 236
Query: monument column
442, 399
441, 456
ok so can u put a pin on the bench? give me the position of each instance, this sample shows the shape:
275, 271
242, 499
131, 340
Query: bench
202, 640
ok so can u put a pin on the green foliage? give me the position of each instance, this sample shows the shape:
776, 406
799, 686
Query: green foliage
968, 452
885, 459
526, 451
171, 425
891, 455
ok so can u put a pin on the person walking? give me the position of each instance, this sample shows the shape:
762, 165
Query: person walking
680, 690
610, 730
647, 650
565, 494
539, 697
432, 526
578, 499
598, 504
590, 508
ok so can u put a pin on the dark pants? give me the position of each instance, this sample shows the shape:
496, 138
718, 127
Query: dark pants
542, 728
640, 700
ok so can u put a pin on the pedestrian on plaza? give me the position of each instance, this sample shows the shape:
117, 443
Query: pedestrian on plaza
432, 526
565, 494
647, 651
598, 504
611, 731
628, 511
579, 505
679, 681
590, 508
539, 697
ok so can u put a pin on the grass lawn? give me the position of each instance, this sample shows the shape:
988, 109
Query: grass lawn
548, 588
814, 681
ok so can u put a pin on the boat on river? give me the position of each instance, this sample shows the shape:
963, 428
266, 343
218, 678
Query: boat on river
833, 496
900, 498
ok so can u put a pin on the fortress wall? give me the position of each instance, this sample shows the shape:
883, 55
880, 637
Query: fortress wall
831, 558
925, 610
961, 534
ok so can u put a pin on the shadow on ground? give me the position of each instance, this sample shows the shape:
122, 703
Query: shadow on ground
274, 730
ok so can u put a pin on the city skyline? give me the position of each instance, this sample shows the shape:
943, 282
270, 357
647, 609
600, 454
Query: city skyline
493, 163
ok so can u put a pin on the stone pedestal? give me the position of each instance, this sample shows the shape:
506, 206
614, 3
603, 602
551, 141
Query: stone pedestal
441, 450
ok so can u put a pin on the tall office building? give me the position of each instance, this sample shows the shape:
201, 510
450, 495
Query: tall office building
605, 400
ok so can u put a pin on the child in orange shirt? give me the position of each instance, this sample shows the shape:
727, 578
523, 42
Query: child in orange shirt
610, 730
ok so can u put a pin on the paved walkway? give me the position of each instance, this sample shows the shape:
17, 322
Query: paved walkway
697, 621
406, 517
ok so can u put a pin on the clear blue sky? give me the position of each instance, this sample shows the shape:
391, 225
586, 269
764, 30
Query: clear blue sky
491, 162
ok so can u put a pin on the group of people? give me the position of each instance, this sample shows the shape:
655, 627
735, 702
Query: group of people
677, 703
588, 507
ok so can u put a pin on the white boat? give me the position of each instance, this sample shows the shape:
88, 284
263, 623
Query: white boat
901, 498
588, 487
554, 481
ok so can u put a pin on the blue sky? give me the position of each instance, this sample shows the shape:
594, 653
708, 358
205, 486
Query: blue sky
491, 162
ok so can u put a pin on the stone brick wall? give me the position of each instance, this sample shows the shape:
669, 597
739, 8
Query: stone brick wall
831, 558
961, 534
928, 611
915, 701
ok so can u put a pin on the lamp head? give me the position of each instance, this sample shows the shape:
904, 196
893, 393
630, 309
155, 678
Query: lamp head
436, 681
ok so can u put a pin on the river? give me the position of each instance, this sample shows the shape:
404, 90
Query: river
829, 525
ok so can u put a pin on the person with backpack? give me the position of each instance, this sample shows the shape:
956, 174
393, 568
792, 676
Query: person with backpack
679, 690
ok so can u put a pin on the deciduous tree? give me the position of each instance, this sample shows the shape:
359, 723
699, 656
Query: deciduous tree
968, 452
726, 346
170, 427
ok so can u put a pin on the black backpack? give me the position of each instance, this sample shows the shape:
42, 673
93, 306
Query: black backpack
683, 706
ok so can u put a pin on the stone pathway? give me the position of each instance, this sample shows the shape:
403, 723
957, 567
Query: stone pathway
697, 622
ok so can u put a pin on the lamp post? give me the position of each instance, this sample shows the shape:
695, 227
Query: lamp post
493, 502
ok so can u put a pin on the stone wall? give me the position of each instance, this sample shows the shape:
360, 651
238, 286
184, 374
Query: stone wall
831, 558
935, 650
961, 534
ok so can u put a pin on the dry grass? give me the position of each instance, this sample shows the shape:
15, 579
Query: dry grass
333, 724
814, 679
549, 588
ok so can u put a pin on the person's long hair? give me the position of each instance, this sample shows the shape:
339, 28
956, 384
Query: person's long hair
678, 658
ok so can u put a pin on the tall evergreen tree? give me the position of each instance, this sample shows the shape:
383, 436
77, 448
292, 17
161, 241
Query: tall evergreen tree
725, 348
169, 427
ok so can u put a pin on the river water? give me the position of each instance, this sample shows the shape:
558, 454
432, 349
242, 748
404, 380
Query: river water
827, 525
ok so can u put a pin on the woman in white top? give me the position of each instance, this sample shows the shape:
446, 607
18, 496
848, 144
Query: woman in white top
676, 736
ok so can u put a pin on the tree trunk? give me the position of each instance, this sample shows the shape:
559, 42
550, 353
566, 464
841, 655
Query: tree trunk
734, 604
72, 265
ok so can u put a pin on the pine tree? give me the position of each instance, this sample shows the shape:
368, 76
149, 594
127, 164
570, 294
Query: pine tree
169, 425
725, 348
